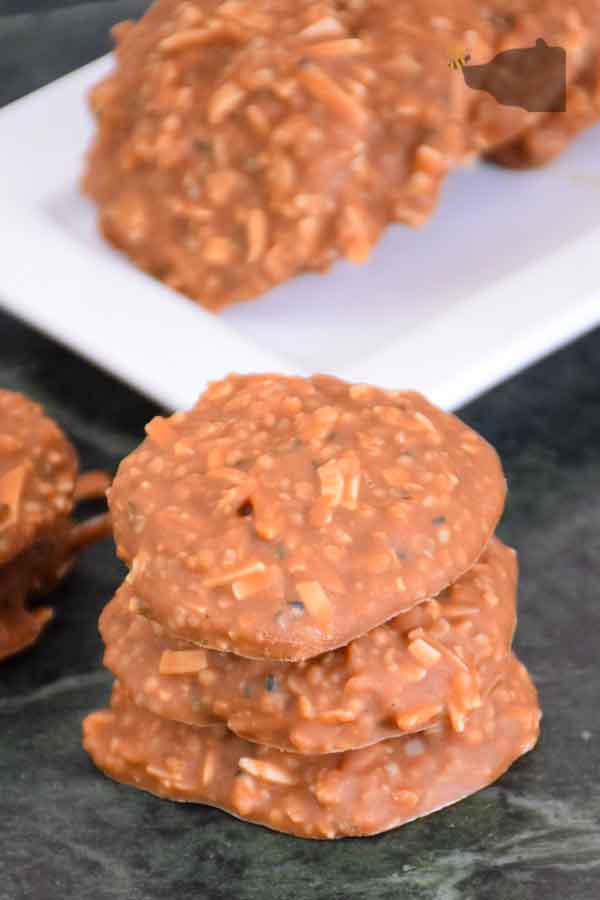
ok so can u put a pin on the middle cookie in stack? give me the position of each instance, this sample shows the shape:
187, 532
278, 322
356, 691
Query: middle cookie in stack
286, 538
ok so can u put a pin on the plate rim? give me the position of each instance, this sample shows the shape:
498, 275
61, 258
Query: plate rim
548, 325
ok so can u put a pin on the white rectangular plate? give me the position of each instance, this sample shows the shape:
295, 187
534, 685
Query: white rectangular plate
505, 272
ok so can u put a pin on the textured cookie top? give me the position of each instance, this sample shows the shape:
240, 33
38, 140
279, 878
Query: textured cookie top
436, 662
283, 517
355, 793
240, 143
38, 469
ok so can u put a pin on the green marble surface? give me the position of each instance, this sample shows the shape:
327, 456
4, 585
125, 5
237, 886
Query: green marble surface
67, 832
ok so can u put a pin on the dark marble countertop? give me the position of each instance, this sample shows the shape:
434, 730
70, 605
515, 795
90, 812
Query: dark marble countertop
67, 832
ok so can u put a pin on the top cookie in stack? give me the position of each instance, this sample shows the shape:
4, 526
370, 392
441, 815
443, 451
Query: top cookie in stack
283, 517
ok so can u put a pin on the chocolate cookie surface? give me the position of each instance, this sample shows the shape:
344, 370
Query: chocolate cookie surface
41, 567
38, 471
359, 792
439, 660
284, 516
239, 144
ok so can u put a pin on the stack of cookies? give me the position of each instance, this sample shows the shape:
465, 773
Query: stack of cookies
39, 485
315, 632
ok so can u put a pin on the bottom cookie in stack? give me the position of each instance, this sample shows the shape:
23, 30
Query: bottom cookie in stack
359, 792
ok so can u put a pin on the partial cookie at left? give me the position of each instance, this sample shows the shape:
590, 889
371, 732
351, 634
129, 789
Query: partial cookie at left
39, 487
